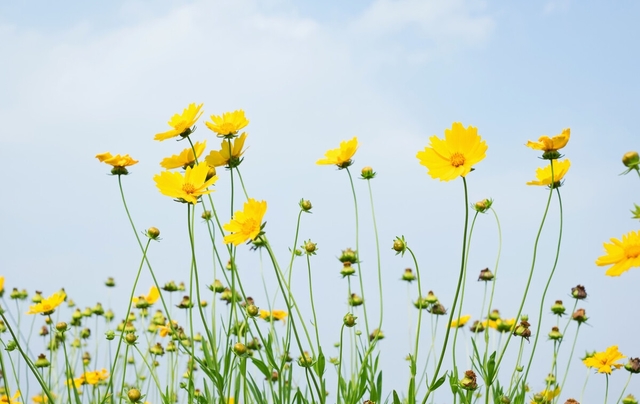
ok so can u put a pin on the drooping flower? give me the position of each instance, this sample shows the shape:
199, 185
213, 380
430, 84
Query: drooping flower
185, 158
228, 155
342, 155
48, 305
151, 298
555, 143
455, 155
623, 254
273, 315
543, 174
227, 124
247, 223
188, 187
118, 162
460, 322
181, 124
604, 362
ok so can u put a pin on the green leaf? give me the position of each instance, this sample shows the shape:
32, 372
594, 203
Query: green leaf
262, 367
396, 399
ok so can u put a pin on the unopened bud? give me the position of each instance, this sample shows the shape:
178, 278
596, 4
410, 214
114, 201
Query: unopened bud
408, 275
579, 292
555, 334
131, 338
485, 275
468, 382
631, 159
240, 349
349, 320
134, 395
305, 205
367, 173
558, 308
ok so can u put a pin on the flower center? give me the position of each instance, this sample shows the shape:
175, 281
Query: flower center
188, 188
249, 226
457, 159
632, 251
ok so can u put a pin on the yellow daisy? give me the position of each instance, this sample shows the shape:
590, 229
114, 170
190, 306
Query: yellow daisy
181, 124
188, 187
227, 124
151, 298
460, 322
454, 156
1, 285
543, 175
4, 399
547, 396
273, 315
342, 155
604, 362
48, 305
116, 161
222, 157
623, 254
546, 144
185, 158
247, 223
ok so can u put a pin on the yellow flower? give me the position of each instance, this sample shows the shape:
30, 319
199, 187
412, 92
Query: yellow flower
151, 298
222, 157
342, 155
246, 224
623, 254
165, 330
460, 322
603, 362
48, 305
181, 123
117, 161
185, 158
42, 398
273, 315
188, 187
1, 285
4, 399
545, 143
547, 396
95, 376
453, 157
543, 175
490, 324
505, 325
228, 123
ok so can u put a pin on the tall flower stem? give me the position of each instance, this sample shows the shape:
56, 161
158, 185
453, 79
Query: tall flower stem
375, 232
414, 357
624, 388
455, 299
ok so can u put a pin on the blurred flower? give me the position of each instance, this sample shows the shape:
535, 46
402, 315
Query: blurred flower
1, 286
453, 157
227, 155
151, 298
273, 315
460, 322
604, 362
543, 175
41, 398
547, 395
188, 187
182, 123
247, 223
48, 305
4, 399
342, 155
186, 157
227, 124
623, 254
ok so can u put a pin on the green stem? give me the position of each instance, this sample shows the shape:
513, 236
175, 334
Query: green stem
375, 232
414, 358
313, 307
625, 387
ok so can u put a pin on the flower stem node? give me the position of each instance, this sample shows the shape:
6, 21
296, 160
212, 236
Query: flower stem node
153, 233
305, 205
347, 269
579, 292
558, 308
408, 275
399, 245
134, 395
483, 205
349, 320
469, 382
555, 334
367, 173
486, 275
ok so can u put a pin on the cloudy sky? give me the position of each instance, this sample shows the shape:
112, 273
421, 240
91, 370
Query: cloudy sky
78, 79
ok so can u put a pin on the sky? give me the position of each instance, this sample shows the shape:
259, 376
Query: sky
77, 79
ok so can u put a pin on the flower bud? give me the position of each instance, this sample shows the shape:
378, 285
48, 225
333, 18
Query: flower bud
185, 303
240, 349
110, 335
580, 316
494, 315
355, 300
367, 173
579, 292
44, 331
110, 282
468, 382
156, 349
211, 173
86, 358
437, 309
305, 205
217, 286
134, 395
631, 159
376, 335
550, 379
421, 303
399, 245
630, 399
571, 401
408, 275
131, 338
431, 298
555, 334
558, 308
61, 326
349, 256
305, 360
349, 320
633, 366
11, 345
42, 362
310, 247
252, 310
477, 326
206, 215
522, 330
347, 269
153, 233
171, 347
254, 344
85, 333
37, 297
483, 205
485, 275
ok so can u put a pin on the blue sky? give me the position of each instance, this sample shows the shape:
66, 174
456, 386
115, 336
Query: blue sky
78, 79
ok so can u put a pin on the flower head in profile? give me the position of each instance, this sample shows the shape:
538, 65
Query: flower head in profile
605, 362
48, 305
5, 399
460, 322
1, 286
149, 299
342, 155
181, 124
188, 187
228, 124
247, 223
228, 155
273, 315
622, 254
543, 175
455, 155
40, 398
118, 162
551, 145
186, 158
